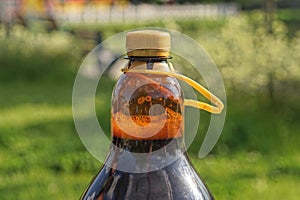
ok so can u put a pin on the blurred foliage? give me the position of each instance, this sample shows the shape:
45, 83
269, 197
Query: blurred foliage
33, 56
257, 156
252, 60
261, 72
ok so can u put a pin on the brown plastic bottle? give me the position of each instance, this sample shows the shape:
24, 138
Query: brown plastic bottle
147, 158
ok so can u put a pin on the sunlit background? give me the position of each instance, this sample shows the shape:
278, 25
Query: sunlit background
255, 44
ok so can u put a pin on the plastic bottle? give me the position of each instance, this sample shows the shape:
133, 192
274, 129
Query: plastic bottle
147, 158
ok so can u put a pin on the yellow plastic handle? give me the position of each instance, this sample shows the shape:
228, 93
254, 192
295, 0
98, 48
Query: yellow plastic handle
188, 102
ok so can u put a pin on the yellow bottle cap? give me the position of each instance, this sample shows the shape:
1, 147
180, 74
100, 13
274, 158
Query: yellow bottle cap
148, 43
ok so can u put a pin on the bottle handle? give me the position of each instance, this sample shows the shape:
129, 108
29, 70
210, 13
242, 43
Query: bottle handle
217, 109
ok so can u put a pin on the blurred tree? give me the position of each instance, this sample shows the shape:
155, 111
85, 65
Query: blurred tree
11, 12
270, 9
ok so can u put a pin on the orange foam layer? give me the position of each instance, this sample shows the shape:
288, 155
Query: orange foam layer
147, 128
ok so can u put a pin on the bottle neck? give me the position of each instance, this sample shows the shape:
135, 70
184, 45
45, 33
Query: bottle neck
147, 109
149, 63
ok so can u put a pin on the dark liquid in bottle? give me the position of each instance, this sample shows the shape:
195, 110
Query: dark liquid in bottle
176, 181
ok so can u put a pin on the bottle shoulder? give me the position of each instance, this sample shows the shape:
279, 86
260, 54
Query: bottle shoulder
179, 181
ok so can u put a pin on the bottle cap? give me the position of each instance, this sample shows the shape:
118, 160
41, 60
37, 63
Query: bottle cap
148, 43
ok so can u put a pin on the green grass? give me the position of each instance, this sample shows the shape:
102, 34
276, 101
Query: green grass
42, 157
41, 154
251, 176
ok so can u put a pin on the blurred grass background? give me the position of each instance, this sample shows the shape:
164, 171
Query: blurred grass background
256, 157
